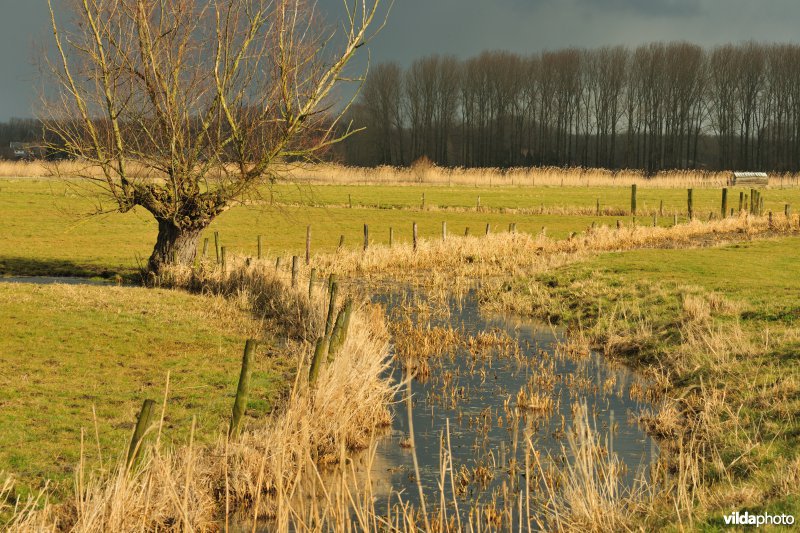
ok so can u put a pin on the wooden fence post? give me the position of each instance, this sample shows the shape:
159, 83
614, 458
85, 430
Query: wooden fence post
675, 219
444, 231
295, 263
143, 422
334, 289
478, 205
308, 244
414, 235
724, 202
466, 231
223, 260
690, 205
787, 210
488, 229
242, 390
316, 361
340, 328
205, 247
216, 245
277, 263
366, 237
423, 201
341, 242
633, 199
391, 236
661, 208
741, 201
350, 201
312, 278
597, 209
259, 247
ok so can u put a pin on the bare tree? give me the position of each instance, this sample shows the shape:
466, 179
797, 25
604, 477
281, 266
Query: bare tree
187, 107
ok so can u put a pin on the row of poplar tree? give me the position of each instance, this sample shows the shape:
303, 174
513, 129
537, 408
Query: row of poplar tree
659, 106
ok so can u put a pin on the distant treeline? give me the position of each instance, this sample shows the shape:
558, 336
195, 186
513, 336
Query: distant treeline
659, 106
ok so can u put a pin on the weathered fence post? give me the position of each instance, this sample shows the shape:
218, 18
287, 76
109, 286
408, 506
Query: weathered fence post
340, 328
674, 219
423, 201
741, 201
205, 247
316, 361
760, 205
466, 231
334, 289
770, 219
787, 210
295, 263
597, 208
277, 263
312, 278
259, 247
414, 235
308, 244
633, 199
488, 229
752, 201
242, 390
223, 260
350, 200
690, 204
724, 202
391, 236
478, 204
143, 422
444, 230
216, 245
341, 242
655, 219
366, 237
661, 208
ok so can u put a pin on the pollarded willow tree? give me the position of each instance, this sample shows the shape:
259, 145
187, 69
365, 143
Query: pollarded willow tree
188, 107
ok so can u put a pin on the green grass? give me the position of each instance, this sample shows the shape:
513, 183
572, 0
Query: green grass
45, 233
66, 349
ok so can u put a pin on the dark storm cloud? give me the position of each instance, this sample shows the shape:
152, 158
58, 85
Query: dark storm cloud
466, 27
669, 8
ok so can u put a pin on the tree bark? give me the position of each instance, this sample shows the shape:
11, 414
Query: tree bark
174, 246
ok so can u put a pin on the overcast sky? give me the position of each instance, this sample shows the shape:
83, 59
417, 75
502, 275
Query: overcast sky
417, 28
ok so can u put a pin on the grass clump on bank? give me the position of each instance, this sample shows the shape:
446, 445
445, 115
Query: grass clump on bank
76, 356
716, 330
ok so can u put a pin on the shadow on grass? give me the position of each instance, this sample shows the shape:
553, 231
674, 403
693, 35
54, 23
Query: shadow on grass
25, 266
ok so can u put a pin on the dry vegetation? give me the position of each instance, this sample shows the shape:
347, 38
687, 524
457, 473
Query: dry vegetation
429, 174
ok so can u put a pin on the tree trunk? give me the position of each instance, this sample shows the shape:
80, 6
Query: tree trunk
174, 246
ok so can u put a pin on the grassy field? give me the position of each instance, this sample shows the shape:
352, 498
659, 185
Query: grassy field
714, 327
718, 327
47, 234
67, 350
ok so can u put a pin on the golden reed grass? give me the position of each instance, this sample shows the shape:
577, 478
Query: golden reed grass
444, 262
335, 174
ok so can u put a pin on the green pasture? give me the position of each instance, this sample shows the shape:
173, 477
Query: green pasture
46, 230
84, 358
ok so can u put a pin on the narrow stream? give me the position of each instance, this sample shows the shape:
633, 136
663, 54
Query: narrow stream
474, 394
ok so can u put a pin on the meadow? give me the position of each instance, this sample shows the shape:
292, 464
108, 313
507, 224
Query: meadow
48, 230
704, 309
